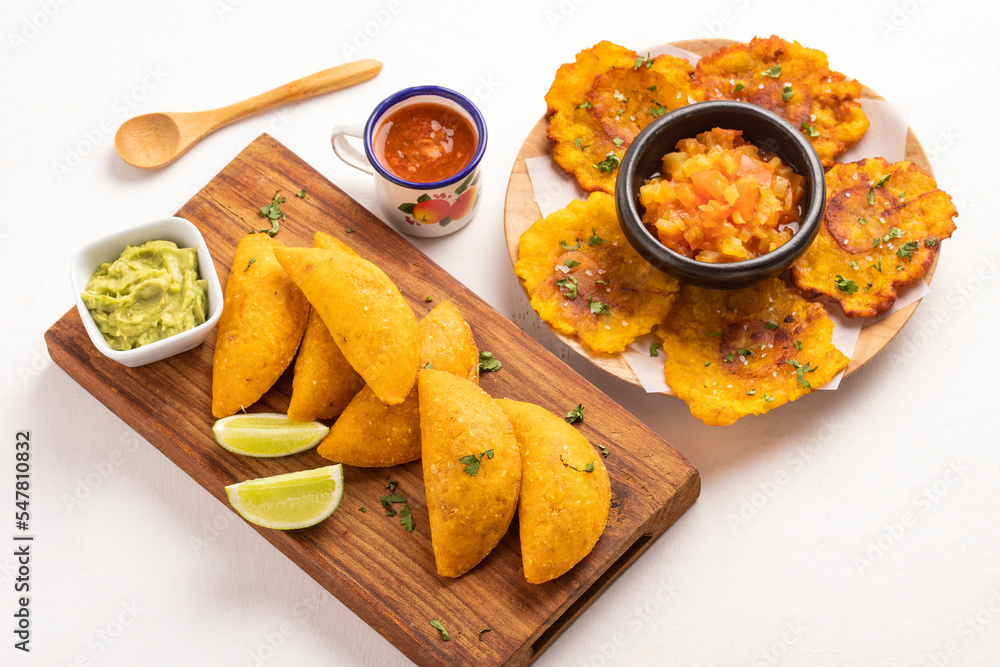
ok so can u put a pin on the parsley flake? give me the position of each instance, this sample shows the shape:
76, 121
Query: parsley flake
729, 356
444, 633
362, 509
619, 142
744, 352
301, 194
273, 213
854, 265
862, 222
488, 363
739, 87
771, 324
589, 467
906, 250
769, 399
800, 372
428, 298
596, 307
349, 230
787, 94
583, 105
472, 463
578, 142
894, 233
717, 333
569, 282
571, 263
429, 365
608, 164
810, 129
604, 451
657, 109
798, 345
773, 72
930, 242
486, 629
566, 246
575, 415
652, 89
652, 349
751, 392
405, 518
845, 285
595, 239
252, 260
709, 363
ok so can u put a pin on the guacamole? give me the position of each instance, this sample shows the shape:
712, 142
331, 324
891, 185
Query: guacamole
149, 293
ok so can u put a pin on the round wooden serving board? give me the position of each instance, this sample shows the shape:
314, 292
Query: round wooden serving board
521, 211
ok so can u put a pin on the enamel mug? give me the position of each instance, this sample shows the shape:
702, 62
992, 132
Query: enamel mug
419, 209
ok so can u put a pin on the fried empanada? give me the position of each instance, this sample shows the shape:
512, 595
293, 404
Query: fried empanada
565, 492
368, 318
371, 434
263, 318
472, 469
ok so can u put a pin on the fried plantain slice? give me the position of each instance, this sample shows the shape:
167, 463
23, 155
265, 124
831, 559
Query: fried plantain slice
584, 278
371, 434
324, 382
263, 318
882, 227
471, 466
792, 81
565, 492
599, 103
369, 319
742, 352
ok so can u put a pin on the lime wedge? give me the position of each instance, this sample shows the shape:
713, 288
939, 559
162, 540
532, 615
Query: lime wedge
267, 434
293, 500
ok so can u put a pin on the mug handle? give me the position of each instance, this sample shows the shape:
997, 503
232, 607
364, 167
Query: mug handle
345, 151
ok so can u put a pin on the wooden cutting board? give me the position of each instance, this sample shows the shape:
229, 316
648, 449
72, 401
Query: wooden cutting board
384, 574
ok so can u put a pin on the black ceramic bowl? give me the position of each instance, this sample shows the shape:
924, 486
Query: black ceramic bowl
764, 129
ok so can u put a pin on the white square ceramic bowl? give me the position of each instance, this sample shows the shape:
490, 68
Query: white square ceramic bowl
109, 248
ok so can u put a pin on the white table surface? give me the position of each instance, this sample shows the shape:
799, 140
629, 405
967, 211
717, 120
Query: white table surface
796, 552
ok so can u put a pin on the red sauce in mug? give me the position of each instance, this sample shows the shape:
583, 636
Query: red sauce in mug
425, 142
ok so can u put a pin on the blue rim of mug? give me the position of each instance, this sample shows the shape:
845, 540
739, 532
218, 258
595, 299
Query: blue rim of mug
435, 91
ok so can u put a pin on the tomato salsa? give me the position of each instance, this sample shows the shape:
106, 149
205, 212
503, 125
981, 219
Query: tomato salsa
425, 142
720, 199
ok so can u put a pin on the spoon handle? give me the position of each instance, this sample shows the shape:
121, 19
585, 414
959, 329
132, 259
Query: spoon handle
326, 81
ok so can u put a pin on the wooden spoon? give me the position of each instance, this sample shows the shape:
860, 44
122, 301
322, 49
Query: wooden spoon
157, 139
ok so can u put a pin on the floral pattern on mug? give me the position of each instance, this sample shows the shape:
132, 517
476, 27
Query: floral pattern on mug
441, 209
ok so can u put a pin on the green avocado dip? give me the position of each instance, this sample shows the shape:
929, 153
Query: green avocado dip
149, 293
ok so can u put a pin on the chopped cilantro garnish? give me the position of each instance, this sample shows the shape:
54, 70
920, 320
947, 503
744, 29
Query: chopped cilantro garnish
301, 194
894, 233
638, 62
566, 246
739, 87
595, 239
428, 298
576, 414
854, 265
619, 142
362, 509
652, 89
862, 222
878, 266
930, 242
621, 112
844, 285
444, 633
405, 518
486, 629
657, 109
810, 129
729, 356
273, 213
787, 94
798, 345
571, 263
583, 105
800, 372
880, 182
578, 142
906, 250
488, 363
714, 334
608, 164
589, 467
751, 392
569, 282
603, 282
744, 352
652, 349
769, 399
429, 365
876, 241
709, 363
771, 324
349, 230
596, 307
773, 72
471, 463
604, 451
252, 260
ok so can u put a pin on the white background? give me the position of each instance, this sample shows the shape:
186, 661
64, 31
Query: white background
135, 564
